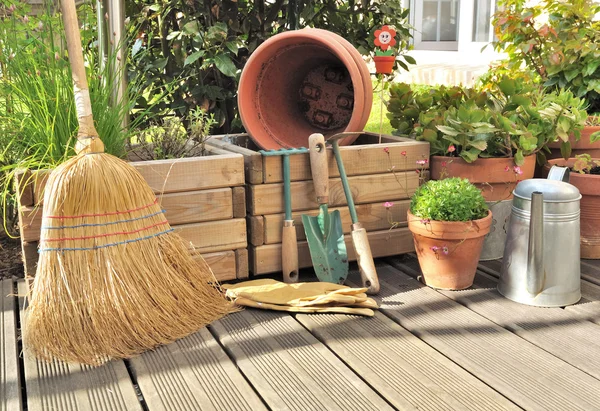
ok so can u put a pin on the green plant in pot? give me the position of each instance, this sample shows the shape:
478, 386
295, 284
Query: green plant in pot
585, 176
489, 135
556, 40
449, 219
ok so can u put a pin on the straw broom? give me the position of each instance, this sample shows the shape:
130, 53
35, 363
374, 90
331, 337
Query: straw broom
113, 280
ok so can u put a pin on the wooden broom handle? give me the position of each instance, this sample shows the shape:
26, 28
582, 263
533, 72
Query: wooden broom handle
88, 140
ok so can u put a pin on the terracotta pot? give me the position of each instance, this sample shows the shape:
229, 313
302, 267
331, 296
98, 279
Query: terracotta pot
384, 64
488, 174
589, 187
583, 146
302, 82
464, 241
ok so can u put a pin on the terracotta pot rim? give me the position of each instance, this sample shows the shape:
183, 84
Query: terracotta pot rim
450, 230
249, 78
486, 159
384, 58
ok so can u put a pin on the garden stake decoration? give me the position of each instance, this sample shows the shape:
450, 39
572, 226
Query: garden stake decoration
384, 62
112, 279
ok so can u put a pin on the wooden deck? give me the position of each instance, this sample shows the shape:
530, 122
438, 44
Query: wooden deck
425, 349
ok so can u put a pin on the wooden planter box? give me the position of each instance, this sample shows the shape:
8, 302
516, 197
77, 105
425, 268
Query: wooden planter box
204, 199
369, 169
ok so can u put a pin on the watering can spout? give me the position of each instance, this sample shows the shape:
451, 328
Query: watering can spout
535, 252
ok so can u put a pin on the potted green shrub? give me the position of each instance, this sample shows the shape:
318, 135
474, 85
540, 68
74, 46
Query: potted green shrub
448, 219
557, 40
489, 136
586, 177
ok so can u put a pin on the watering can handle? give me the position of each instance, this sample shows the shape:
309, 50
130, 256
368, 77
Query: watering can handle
559, 174
318, 167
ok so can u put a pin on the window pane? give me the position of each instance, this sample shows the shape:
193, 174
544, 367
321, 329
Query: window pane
449, 20
481, 20
430, 21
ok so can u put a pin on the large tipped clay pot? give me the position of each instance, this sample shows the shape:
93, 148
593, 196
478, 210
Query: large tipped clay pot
589, 187
583, 146
463, 241
302, 82
495, 177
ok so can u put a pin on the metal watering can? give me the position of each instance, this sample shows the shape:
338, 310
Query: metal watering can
541, 263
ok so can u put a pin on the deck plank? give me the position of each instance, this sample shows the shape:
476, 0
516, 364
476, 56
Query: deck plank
405, 370
193, 373
565, 334
289, 367
60, 386
589, 305
10, 383
527, 375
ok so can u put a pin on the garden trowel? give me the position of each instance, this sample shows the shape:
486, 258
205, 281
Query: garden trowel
324, 233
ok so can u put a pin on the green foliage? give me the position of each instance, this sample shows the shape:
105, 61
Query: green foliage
451, 199
508, 118
584, 164
201, 47
563, 51
171, 139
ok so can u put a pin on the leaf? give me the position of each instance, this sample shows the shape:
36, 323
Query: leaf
507, 86
233, 47
174, 34
519, 159
571, 74
137, 46
479, 145
565, 149
410, 60
470, 155
191, 27
594, 137
225, 65
193, 57
591, 67
429, 135
448, 130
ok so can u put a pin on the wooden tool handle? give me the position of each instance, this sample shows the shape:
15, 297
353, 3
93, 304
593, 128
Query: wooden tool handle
318, 167
289, 252
366, 265
87, 135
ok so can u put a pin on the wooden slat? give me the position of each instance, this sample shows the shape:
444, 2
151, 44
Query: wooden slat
10, 381
39, 178
253, 165
268, 198
267, 258
180, 208
170, 176
405, 371
525, 374
358, 160
223, 264
373, 216
239, 202
198, 206
214, 236
241, 262
256, 229
590, 271
565, 334
193, 373
61, 386
179, 175
289, 368
30, 256
24, 187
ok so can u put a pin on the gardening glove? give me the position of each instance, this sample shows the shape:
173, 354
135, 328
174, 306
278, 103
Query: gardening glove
288, 308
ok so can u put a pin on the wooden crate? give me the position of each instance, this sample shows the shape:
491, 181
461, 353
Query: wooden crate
376, 172
203, 199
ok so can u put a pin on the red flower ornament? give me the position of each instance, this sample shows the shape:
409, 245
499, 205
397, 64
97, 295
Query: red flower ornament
384, 37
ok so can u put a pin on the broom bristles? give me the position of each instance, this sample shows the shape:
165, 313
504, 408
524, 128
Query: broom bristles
113, 280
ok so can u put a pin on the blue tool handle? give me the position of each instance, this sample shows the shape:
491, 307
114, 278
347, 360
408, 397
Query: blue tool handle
347, 192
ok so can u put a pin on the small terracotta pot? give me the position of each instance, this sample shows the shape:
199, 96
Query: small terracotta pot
384, 64
464, 241
583, 146
302, 82
488, 174
589, 187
